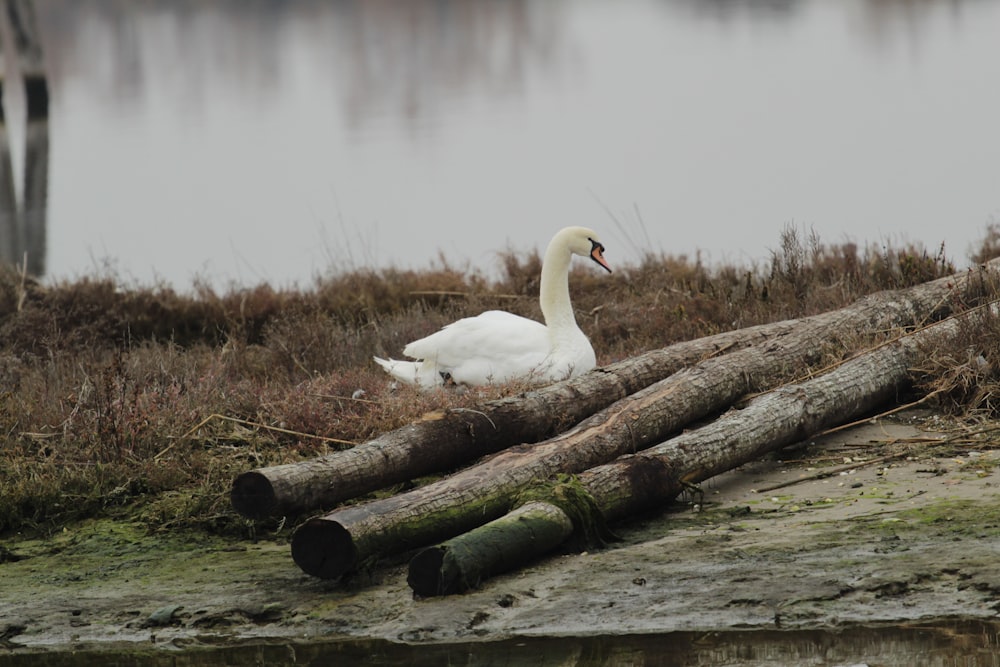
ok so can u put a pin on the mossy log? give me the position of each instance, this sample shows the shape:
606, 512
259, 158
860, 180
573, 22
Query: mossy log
450, 439
637, 482
331, 545
461, 563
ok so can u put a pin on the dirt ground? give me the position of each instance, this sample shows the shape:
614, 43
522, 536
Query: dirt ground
852, 538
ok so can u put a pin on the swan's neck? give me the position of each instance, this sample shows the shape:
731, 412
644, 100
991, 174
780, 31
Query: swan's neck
554, 291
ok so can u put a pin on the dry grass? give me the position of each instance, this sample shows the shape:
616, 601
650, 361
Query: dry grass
964, 378
148, 402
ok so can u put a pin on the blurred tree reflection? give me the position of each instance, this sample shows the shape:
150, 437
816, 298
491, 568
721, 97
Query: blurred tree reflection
22, 227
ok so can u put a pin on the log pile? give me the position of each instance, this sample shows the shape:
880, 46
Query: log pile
600, 446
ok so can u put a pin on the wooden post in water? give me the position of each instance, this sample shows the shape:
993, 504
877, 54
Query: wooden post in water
21, 14
22, 229
24, 29
11, 238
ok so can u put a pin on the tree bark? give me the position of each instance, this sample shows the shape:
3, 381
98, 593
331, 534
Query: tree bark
331, 545
461, 563
637, 482
450, 440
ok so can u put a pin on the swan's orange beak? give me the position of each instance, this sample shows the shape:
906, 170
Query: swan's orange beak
597, 254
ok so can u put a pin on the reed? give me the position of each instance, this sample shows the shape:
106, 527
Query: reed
145, 402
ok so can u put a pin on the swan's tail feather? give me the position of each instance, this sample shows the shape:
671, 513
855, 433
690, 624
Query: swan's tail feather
411, 372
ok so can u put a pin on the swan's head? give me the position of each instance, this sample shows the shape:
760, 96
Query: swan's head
584, 242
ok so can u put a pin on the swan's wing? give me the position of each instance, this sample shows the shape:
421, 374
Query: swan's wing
491, 347
493, 333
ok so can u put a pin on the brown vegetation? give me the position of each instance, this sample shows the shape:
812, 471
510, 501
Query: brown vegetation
147, 402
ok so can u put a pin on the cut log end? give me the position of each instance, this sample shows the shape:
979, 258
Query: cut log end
324, 549
428, 575
253, 495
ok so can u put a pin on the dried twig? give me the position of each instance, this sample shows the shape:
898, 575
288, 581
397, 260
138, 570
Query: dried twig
246, 422
961, 438
347, 398
478, 412
295, 360
823, 474
898, 408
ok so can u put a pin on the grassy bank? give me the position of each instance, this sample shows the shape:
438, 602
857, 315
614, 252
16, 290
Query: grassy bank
146, 402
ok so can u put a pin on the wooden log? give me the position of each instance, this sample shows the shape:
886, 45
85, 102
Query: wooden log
446, 440
508, 542
455, 437
331, 545
637, 482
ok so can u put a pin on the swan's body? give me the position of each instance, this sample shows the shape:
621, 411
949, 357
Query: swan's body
497, 346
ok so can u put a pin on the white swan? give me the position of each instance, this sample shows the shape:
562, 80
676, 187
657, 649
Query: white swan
498, 346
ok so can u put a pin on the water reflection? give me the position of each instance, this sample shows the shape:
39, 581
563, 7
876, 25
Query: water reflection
272, 140
406, 58
413, 59
880, 20
22, 219
947, 644
729, 10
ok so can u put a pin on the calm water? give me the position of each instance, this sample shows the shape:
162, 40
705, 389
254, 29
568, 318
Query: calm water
243, 141
946, 644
